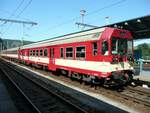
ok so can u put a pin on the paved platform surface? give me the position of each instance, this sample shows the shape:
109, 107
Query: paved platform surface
6, 104
144, 75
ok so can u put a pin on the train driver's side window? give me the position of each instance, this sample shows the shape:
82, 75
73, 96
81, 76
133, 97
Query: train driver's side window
105, 48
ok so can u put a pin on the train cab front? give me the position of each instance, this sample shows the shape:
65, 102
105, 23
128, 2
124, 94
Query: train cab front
121, 58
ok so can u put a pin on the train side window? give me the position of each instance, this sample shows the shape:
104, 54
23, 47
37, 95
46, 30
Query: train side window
30, 52
41, 52
80, 52
61, 52
95, 48
105, 48
37, 52
69, 52
33, 52
45, 52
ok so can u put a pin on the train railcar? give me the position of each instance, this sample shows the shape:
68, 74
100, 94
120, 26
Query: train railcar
11, 54
100, 55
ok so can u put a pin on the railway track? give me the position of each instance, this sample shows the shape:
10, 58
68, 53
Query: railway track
39, 97
137, 95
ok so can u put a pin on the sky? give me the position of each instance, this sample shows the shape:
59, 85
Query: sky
58, 17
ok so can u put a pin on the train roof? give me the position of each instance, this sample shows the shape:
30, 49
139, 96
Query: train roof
87, 35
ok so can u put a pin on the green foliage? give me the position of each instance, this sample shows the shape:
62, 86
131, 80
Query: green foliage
145, 48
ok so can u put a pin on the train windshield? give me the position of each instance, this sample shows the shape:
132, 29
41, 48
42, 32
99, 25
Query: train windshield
119, 46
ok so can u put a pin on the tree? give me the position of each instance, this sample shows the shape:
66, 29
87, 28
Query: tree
145, 49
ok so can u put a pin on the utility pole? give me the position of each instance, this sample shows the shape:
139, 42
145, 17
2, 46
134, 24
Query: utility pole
82, 13
107, 20
82, 24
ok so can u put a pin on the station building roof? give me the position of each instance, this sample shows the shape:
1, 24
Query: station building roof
140, 27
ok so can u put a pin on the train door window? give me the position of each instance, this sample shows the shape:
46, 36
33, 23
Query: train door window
61, 52
41, 52
80, 52
37, 52
104, 47
69, 52
52, 52
95, 48
45, 52
33, 52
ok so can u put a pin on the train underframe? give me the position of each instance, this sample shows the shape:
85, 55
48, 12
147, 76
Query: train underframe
118, 78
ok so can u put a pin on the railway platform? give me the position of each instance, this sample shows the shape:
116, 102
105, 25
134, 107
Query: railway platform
143, 79
6, 103
145, 76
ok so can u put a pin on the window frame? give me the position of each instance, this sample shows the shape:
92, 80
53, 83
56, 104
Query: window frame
62, 52
41, 53
121, 46
72, 52
37, 52
33, 53
80, 58
46, 52
107, 48
93, 49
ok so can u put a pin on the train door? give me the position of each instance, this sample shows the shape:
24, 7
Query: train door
52, 59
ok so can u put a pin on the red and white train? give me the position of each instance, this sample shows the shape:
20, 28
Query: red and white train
100, 55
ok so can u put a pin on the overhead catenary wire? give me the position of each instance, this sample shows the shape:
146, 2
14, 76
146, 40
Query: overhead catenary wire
20, 4
105, 7
26, 6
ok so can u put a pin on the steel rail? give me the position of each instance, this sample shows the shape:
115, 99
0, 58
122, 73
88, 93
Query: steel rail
28, 100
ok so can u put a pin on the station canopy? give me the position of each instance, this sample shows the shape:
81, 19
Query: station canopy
140, 27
